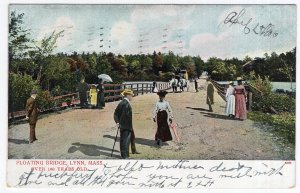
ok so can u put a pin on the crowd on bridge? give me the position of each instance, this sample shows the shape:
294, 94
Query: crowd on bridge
236, 98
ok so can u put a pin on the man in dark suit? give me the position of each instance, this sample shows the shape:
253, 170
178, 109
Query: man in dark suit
123, 118
82, 88
32, 114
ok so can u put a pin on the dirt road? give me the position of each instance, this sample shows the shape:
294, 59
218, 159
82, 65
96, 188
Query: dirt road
89, 133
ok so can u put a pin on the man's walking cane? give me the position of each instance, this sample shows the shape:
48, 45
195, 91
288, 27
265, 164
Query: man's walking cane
112, 151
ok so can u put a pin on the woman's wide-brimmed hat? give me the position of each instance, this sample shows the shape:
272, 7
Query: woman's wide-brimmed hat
239, 78
127, 92
162, 93
230, 82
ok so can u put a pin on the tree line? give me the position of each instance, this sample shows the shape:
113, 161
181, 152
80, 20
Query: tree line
34, 64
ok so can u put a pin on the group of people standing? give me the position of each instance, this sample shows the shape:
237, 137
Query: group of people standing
181, 83
236, 98
83, 88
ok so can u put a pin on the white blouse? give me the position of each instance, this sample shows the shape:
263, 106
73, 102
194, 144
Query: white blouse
162, 106
230, 91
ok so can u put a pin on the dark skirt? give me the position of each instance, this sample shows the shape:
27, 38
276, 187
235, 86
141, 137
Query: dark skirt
163, 130
100, 100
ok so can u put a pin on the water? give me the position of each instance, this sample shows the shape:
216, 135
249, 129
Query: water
276, 85
284, 85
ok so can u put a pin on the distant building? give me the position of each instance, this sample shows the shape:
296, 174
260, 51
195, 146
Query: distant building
251, 65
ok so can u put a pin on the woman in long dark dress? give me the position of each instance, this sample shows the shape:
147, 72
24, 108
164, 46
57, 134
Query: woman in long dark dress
100, 95
162, 113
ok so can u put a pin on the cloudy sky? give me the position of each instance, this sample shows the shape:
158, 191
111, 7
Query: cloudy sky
223, 31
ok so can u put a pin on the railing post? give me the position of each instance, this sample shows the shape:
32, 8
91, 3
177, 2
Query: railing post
147, 88
250, 100
142, 88
114, 93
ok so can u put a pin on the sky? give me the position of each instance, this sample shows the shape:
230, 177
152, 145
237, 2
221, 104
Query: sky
196, 30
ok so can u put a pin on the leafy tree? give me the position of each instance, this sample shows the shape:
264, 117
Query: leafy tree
18, 43
157, 62
170, 62
199, 64
211, 63
18, 36
42, 50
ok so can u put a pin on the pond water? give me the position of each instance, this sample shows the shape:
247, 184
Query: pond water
276, 85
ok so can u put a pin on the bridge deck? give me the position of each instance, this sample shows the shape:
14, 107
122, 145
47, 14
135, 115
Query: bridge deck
89, 133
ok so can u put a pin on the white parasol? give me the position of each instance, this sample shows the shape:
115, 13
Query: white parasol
105, 78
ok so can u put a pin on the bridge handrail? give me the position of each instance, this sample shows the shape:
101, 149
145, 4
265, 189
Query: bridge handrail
220, 88
113, 95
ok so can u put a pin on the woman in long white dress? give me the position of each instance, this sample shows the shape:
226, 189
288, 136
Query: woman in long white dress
230, 100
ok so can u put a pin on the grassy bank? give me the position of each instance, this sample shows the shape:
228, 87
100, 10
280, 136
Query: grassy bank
282, 125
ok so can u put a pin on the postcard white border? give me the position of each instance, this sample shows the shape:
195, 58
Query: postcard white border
3, 96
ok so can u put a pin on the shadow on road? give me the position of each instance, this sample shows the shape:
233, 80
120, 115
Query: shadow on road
212, 115
198, 109
138, 140
18, 141
91, 150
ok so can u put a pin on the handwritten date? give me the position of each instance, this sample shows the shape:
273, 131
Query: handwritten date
237, 18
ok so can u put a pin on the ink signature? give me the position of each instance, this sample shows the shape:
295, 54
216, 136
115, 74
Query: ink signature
249, 25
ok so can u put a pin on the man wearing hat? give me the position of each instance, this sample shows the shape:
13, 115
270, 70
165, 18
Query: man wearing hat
123, 117
32, 114
83, 87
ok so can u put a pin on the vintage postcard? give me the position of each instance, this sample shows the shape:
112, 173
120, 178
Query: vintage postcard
151, 96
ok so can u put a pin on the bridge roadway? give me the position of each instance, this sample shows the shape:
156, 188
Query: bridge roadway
89, 133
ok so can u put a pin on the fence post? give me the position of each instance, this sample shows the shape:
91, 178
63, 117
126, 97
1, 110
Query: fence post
142, 88
114, 93
147, 88
250, 100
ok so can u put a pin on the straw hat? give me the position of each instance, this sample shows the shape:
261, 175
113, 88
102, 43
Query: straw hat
127, 92
230, 82
239, 78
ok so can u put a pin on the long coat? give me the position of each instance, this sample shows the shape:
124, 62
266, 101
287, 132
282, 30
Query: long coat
210, 94
123, 115
31, 110
83, 87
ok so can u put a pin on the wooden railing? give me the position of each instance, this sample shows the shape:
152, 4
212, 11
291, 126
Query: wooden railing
112, 92
221, 89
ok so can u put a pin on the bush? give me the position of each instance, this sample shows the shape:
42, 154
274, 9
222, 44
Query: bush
44, 100
280, 102
19, 87
266, 99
